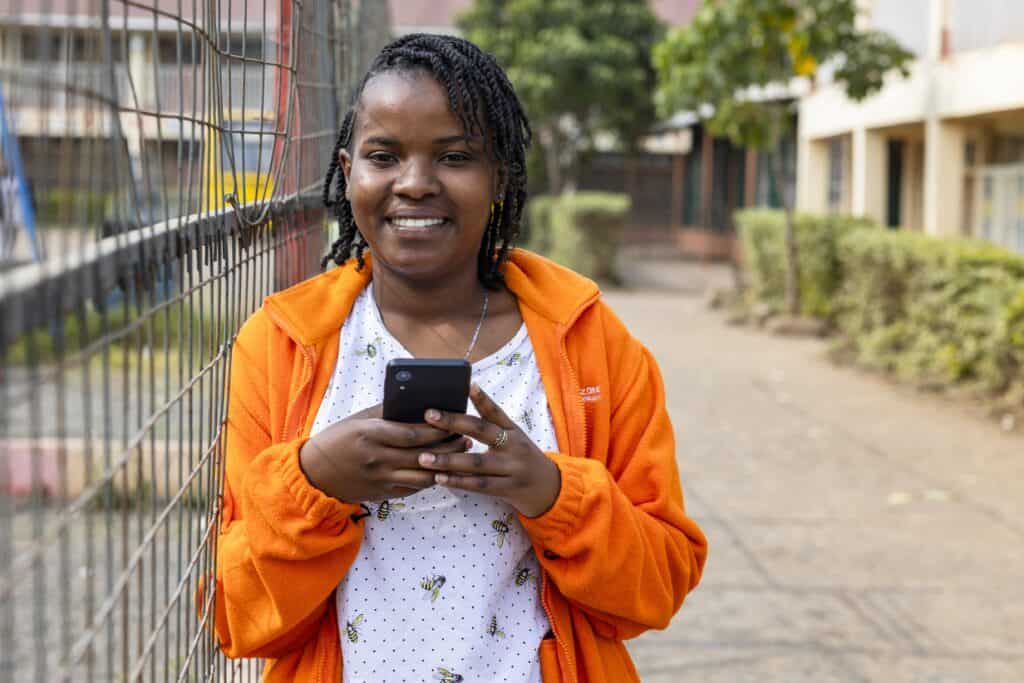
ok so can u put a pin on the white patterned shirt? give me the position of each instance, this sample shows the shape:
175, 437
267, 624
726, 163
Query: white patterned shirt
446, 585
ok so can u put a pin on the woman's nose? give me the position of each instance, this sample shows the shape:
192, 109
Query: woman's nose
417, 179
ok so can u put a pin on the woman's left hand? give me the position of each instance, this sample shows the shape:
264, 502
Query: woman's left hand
513, 469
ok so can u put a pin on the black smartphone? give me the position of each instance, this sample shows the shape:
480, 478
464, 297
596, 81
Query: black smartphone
413, 385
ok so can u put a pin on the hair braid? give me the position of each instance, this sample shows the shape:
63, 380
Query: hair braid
483, 99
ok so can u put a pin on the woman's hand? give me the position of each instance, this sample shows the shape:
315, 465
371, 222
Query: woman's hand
366, 458
514, 470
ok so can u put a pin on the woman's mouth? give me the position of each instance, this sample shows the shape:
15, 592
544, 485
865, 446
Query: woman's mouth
410, 225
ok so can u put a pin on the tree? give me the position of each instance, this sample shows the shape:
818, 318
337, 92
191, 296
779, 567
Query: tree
580, 67
721, 64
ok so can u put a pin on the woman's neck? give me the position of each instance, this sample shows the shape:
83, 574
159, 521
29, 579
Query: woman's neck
451, 298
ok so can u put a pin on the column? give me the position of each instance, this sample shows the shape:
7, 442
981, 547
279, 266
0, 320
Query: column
870, 171
812, 175
943, 177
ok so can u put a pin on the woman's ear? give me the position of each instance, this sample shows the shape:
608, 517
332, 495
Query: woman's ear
345, 163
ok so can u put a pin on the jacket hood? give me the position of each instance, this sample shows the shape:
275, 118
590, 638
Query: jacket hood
316, 308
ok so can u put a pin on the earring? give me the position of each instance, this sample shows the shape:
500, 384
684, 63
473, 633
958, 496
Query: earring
499, 204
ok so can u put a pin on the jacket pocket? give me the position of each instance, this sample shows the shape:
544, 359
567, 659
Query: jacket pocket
550, 671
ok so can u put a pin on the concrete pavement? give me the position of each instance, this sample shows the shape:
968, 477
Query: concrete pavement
858, 531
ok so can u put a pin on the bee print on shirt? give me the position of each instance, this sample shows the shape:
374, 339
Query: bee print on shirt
525, 575
511, 360
501, 526
445, 676
526, 419
385, 508
350, 629
432, 585
372, 349
492, 628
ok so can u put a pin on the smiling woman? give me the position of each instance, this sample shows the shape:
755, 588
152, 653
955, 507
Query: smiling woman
528, 548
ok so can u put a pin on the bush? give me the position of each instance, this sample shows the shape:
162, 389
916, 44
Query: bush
62, 206
183, 329
582, 230
538, 214
934, 311
763, 233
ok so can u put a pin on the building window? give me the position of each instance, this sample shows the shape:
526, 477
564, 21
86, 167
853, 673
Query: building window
175, 49
40, 46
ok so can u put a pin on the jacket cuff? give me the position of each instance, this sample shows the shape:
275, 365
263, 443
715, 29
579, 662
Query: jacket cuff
317, 506
560, 521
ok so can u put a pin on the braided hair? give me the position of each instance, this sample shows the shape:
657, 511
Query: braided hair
481, 96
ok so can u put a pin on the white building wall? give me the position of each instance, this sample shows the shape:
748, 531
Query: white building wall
970, 50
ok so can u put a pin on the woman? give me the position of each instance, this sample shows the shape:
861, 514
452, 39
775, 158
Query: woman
529, 548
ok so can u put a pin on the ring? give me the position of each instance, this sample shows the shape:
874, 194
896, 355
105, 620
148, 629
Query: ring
501, 439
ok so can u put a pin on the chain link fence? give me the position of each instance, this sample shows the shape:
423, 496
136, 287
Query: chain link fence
162, 165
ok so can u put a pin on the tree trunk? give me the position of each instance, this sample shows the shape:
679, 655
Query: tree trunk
792, 255
552, 148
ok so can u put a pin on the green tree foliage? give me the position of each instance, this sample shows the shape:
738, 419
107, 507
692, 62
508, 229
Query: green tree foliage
580, 67
721, 64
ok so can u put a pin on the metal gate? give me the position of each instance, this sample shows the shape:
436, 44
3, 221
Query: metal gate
174, 153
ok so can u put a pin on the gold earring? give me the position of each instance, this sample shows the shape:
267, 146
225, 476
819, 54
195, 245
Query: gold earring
500, 204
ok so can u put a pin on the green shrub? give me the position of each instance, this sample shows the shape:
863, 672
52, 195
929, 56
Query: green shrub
936, 312
763, 231
581, 230
64, 206
538, 214
180, 330
951, 311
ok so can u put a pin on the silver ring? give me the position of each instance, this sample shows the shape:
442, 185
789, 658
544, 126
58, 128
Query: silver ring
501, 439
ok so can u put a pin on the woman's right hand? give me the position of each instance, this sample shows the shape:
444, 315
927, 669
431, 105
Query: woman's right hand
366, 458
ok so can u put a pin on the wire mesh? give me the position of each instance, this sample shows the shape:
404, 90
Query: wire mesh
170, 154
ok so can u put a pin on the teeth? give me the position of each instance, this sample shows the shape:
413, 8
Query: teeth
416, 222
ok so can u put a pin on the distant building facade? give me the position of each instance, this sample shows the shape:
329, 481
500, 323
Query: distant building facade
61, 96
941, 151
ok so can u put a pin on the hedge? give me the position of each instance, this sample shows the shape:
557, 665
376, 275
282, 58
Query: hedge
581, 230
60, 206
937, 312
934, 311
762, 232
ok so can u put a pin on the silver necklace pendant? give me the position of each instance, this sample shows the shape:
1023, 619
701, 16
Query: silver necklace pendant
479, 325
476, 332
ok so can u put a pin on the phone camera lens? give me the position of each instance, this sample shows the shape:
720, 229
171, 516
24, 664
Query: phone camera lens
403, 375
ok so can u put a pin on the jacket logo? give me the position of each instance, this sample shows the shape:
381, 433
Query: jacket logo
591, 393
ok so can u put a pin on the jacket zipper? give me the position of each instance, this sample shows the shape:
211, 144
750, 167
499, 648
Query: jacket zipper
303, 393
554, 627
303, 396
321, 674
582, 419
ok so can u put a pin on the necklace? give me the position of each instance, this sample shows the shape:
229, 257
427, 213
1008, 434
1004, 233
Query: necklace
476, 332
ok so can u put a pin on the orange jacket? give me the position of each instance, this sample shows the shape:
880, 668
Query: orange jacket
617, 550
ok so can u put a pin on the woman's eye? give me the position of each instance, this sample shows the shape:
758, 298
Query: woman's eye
381, 157
456, 157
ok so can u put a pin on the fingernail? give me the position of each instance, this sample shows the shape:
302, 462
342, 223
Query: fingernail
474, 388
427, 458
441, 479
433, 414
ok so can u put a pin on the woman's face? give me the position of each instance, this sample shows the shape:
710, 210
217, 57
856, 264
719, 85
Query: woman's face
420, 189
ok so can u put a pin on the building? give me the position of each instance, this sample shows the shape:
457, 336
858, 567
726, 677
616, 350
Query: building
77, 119
941, 151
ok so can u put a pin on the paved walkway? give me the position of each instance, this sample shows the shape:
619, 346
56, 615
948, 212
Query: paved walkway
858, 531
